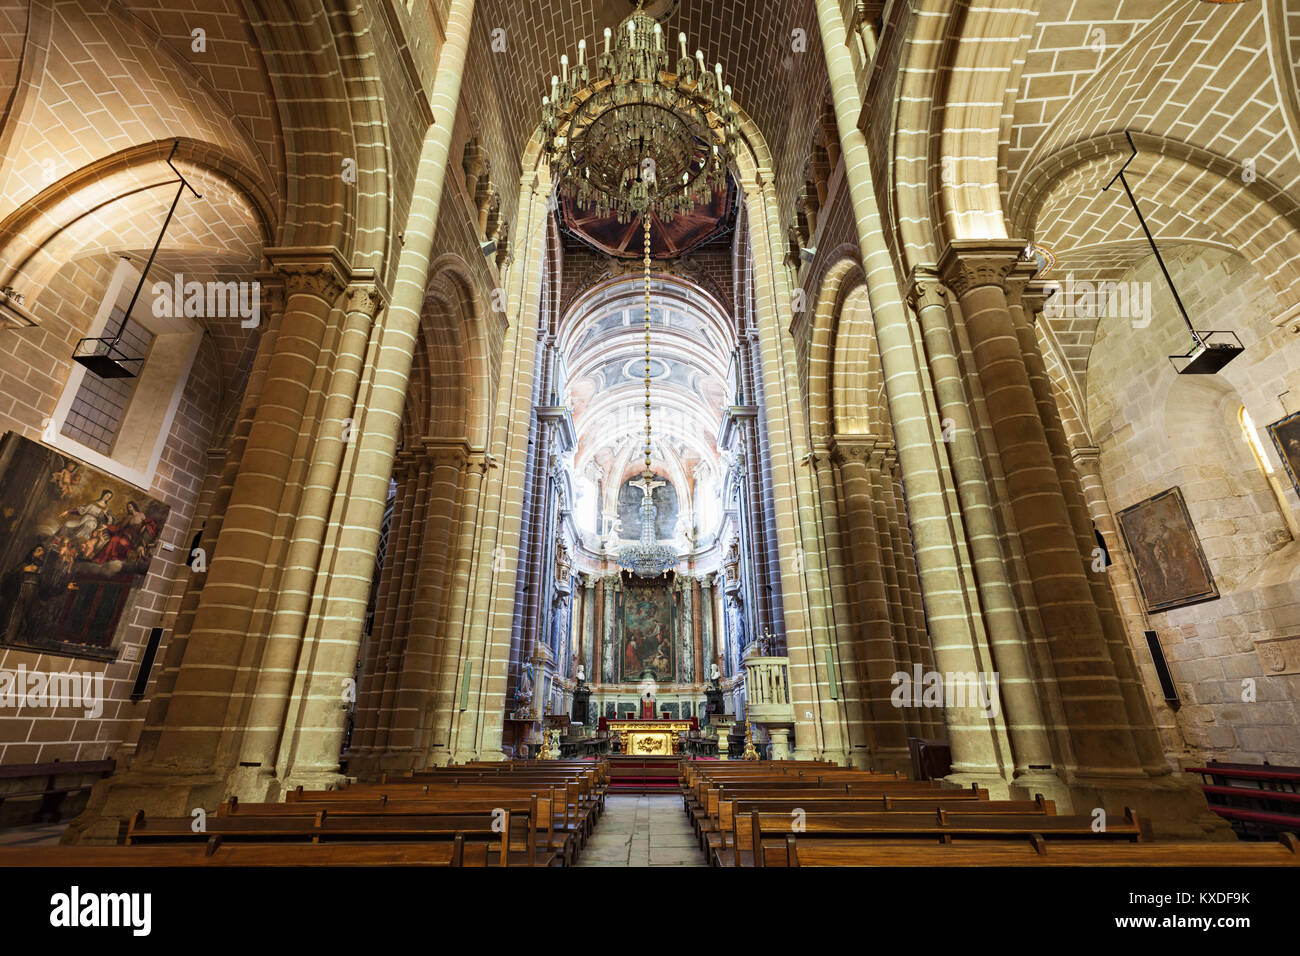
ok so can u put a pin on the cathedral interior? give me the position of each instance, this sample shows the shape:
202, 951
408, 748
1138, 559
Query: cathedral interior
904, 388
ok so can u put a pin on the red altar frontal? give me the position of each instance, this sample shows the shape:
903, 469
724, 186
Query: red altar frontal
647, 738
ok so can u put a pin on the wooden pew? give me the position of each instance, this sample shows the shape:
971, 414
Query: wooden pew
1257, 799
553, 836
215, 852
755, 830
1030, 852
572, 816
721, 827
530, 840
489, 830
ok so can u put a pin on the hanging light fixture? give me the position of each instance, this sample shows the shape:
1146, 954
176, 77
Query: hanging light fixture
103, 355
635, 139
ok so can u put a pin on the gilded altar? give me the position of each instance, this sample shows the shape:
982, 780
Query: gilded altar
649, 738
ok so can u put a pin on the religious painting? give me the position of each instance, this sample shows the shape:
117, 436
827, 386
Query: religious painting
1286, 439
75, 545
648, 649
1171, 567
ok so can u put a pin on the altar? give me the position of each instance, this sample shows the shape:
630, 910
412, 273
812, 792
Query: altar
648, 738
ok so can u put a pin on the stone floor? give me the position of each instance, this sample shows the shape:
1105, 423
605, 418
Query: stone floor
650, 830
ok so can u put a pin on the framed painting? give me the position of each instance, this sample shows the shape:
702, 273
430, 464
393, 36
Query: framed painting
648, 648
1171, 568
75, 546
1286, 439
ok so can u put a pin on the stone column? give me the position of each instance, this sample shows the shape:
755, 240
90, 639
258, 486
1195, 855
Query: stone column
285, 641
877, 658
1094, 707
1025, 724
272, 290
442, 702
341, 594
978, 752
1135, 702
609, 665
445, 464
477, 731
709, 653
701, 669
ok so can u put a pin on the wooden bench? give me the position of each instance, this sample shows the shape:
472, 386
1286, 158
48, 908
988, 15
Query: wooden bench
755, 831
795, 851
53, 793
718, 834
575, 809
707, 810
218, 853
490, 831
555, 827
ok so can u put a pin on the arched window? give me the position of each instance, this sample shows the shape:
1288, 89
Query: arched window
1250, 435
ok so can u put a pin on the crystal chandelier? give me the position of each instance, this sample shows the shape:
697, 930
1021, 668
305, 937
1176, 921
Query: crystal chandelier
635, 138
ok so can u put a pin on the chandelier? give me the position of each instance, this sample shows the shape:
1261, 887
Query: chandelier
635, 138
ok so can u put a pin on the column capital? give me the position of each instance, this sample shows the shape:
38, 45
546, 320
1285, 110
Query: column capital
1017, 282
1085, 453
315, 270
270, 290
442, 451
1035, 295
366, 297
969, 264
864, 449
926, 290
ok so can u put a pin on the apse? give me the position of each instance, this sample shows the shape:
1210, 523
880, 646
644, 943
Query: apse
602, 348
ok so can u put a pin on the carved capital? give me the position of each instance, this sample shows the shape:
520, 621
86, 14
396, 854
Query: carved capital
1034, 297
854, 449
967, 265
366, 298
322, 273
450, 453
270, 291
926, 291
1018, 280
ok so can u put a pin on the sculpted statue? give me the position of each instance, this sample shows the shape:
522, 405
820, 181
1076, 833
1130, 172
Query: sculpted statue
563, 563
582, 674
524, 690
731, 561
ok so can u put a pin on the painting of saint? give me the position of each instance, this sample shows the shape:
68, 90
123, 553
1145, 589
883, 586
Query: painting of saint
76, 544
647, 633
1286, 439
1171, 567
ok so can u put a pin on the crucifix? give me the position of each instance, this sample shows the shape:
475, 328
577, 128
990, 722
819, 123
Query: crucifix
647, 483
